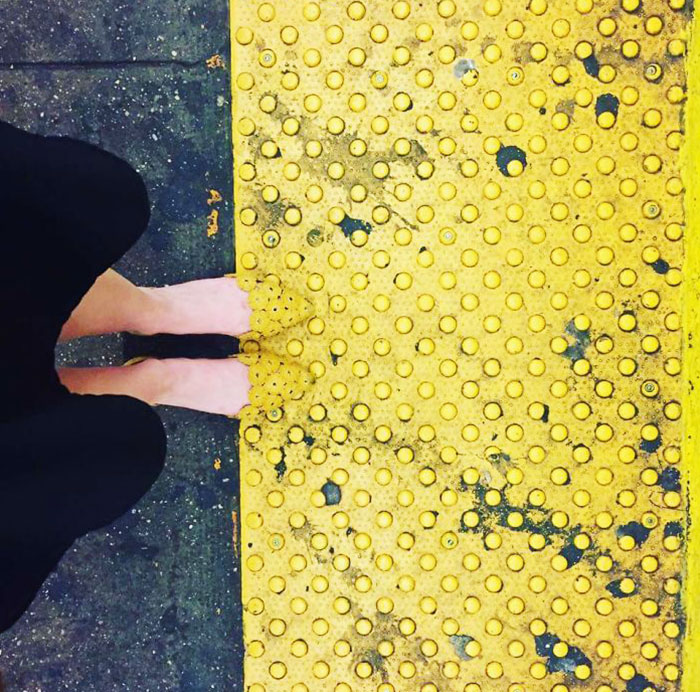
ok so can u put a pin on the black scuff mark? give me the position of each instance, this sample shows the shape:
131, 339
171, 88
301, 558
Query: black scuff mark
582, 340
615, 589
281, 467
376, 660
636, 530
661, 266
571, 553
331, 491
535, 520
506, 154
673, 528
545, 413
607, 103
679, 613
650, 446
544, 646
641, 684
309, 440
591, 65
499, 458
670, 479
459, 643
334, 358
349, 225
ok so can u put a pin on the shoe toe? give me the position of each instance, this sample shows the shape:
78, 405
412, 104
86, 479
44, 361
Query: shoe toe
276, 307
274, 380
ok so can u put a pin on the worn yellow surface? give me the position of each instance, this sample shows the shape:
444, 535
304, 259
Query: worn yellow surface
484, 489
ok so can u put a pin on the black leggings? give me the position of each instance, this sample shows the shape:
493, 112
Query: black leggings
69, 463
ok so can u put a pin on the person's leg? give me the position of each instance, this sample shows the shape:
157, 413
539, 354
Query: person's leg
212, 385
69, 468
25, 567
114, 304
85, 460
147, 381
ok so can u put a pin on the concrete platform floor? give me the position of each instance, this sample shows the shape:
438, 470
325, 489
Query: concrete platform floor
151, 603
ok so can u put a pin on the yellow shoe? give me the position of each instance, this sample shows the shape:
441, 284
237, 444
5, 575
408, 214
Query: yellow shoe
275, 308
274, 380
134, 361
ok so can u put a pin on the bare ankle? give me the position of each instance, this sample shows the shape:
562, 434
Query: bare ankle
156, 380
152, 318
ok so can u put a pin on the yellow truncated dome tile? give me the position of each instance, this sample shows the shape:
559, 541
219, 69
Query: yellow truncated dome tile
486, 487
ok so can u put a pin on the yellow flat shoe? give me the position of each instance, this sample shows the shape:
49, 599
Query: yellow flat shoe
274, 380
275, 307
133, 361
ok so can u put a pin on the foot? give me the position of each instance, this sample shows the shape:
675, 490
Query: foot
210, 385
220, 306
225, 386
205, 306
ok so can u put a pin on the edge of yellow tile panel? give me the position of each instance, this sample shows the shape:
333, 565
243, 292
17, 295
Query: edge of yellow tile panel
242, 502
691, 363
234, 108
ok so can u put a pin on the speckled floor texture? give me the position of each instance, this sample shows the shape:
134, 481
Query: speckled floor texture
150, 604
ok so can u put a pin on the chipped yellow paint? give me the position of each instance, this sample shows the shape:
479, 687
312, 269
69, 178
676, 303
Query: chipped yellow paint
482, 490
213, 223
215, 61
214, 197
234, 521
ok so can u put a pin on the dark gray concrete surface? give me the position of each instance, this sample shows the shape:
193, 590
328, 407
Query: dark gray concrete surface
151, 603
111, 30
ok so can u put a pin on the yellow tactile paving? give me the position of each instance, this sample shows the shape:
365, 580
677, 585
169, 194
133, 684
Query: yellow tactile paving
483, 201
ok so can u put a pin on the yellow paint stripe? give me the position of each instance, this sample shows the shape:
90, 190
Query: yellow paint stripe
691, 364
